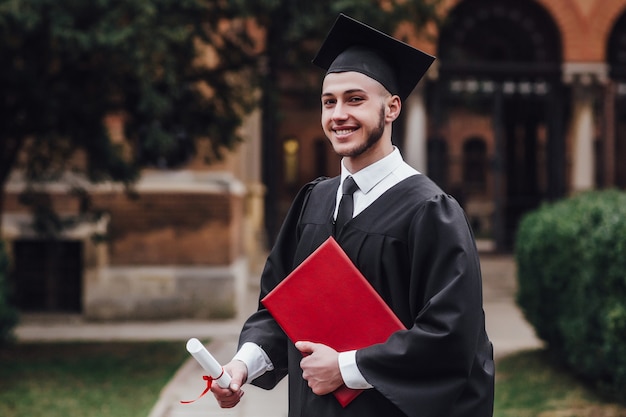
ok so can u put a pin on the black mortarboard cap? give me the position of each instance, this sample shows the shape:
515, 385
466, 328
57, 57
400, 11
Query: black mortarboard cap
354, 46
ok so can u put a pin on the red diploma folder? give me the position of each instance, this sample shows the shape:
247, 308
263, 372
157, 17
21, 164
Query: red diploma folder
327, 300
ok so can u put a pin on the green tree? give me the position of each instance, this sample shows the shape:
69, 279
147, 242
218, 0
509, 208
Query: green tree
67, 65
294, 30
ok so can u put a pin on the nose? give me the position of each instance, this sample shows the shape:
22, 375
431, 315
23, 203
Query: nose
339, 112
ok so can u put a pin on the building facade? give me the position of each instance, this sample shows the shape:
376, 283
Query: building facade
525, 104
181, 245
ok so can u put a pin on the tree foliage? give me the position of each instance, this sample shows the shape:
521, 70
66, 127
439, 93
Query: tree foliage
572, 283
173, 70
295, 29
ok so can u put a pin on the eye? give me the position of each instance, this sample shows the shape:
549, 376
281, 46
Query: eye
328, 102
356, 99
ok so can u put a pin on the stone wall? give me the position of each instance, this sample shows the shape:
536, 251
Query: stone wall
172, 249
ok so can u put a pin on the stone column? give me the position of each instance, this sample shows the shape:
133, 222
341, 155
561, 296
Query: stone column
584, 79
414, 151
582, 128
254, 232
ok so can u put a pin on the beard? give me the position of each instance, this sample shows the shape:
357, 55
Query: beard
372, 139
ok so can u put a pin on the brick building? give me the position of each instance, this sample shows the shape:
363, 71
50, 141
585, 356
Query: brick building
180, 246
526, 103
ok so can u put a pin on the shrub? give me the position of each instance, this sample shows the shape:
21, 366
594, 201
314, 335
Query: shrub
571, 259
8, 314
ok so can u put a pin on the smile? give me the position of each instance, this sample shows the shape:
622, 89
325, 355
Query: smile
344, 131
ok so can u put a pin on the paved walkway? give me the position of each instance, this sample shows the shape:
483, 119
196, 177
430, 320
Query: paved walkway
506, 326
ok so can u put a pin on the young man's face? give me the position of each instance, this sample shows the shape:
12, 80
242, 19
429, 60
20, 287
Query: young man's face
354, 112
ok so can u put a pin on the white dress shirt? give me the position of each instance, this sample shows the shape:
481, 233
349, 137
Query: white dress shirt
373, 181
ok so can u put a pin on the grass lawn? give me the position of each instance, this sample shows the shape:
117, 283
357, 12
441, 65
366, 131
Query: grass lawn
529, 385
125, 379
85, 379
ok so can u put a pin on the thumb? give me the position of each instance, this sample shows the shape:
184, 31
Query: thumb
238, 375
305, 347
236, 383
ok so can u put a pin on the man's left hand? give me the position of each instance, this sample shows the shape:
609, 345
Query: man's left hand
320, 367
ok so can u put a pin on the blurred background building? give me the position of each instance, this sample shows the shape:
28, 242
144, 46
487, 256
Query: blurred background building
525, 104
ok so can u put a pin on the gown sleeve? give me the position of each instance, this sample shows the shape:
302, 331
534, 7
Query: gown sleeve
261, 328
425, 369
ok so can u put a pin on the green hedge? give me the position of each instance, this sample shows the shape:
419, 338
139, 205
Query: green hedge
8, 314
571, 259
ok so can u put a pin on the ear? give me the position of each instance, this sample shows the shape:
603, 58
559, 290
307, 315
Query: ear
394, 106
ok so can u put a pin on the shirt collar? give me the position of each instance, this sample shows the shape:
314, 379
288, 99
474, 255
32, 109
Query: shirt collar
368, 177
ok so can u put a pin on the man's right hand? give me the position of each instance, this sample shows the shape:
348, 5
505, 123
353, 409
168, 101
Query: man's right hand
230, 397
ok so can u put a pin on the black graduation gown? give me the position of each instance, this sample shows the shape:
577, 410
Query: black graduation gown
415, 247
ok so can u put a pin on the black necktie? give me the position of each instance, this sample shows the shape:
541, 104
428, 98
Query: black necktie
346, 205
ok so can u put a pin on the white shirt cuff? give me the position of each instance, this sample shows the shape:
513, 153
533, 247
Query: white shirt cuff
256, 360
350, 373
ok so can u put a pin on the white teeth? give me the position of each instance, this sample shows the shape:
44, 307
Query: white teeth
343, 132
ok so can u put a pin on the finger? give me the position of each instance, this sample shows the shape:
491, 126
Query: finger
231, 401
305, 347
217, 390
238, 372
225, 394
235, 384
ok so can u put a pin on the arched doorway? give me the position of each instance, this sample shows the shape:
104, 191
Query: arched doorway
617, 63
500, 79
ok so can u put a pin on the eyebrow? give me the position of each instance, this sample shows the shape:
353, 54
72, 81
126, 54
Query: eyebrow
351, 91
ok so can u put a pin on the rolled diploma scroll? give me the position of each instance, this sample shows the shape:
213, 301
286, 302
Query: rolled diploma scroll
208, 362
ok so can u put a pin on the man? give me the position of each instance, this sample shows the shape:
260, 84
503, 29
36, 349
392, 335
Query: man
410, 240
